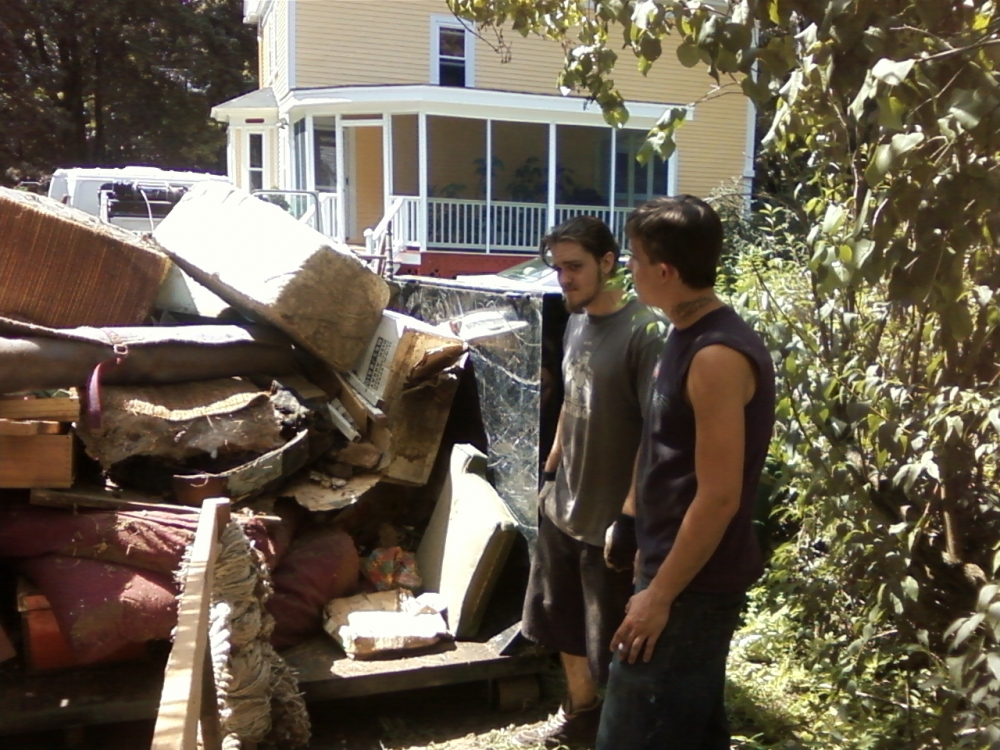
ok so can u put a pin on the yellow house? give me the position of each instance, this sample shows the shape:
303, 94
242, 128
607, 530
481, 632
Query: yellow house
382, 115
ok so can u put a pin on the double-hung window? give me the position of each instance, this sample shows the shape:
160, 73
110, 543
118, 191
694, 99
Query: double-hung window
452, 53
255, 164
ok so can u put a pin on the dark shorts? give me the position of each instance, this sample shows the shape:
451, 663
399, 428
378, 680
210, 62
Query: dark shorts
574, 603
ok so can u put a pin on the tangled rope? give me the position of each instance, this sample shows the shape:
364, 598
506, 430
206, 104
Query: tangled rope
258, 694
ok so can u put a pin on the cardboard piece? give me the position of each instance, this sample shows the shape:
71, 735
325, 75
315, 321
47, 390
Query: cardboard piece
62, 267
314, 496
467, 541
383, 623
416, 425
262, 261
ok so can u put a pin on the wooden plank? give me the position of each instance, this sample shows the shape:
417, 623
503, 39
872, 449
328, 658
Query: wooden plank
96, 694
105, 499
325, 673
181, 700
63, 409
36, 461
21, 429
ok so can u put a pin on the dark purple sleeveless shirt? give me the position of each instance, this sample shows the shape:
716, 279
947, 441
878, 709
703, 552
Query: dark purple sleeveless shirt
666, 480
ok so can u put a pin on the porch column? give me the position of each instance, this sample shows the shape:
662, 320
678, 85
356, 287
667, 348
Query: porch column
489, 183
612, 161
310, 154
552, 177
341, 182
422, 154
387, 161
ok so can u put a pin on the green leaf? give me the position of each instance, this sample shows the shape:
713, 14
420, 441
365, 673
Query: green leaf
993, 662
890, 112
688, 55
911, 588
966, 629
903, 143
891, 72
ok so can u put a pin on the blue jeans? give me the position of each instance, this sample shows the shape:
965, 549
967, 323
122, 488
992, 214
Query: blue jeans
675, 700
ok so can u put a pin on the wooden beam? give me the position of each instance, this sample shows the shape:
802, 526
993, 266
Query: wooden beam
64, 409
36, 461
30, 427
181, 705
105, 499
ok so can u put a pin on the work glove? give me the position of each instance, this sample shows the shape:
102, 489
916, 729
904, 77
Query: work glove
620, 545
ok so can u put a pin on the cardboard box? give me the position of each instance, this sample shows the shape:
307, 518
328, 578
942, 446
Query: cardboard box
401, 351
409, 373
62, 267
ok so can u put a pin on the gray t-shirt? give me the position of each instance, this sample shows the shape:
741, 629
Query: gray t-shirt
607, 368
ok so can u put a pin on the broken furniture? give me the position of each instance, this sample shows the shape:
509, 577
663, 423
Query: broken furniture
63, 267
259, 259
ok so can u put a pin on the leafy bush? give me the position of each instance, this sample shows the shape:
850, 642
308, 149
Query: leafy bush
882, 585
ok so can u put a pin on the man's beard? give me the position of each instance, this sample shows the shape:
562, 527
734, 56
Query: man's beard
579, 307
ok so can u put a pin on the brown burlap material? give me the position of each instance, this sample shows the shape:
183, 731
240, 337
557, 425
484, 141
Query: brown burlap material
62, 267
179, 403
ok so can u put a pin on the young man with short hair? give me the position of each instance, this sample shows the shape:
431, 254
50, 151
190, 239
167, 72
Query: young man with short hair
704, 443
575, 600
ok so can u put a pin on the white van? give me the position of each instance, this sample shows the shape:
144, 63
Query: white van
147, 193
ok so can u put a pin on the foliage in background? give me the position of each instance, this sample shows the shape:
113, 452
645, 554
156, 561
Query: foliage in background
874, 277
118, 82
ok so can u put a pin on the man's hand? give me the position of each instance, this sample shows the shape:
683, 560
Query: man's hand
620, 546
543, 494
646, 615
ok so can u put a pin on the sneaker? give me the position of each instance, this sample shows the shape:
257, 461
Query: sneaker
563, 728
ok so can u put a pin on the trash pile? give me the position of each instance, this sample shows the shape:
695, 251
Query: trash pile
233, 353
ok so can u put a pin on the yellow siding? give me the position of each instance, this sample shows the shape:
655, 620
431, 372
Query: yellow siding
336, 45
278, 19
354, 42
710, 149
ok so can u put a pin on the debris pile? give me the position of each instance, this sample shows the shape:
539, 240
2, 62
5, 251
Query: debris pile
234, 353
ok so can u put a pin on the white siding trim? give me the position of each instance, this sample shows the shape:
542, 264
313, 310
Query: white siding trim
422, 159
387, 187
458, 102
672, 167
341, 182
310, 154
290, 51
551, 217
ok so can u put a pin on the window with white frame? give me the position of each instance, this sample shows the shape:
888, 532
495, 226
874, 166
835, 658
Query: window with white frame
452, 53
255, 161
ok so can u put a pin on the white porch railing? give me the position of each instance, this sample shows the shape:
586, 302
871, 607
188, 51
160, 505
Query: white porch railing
329, 216
454, 223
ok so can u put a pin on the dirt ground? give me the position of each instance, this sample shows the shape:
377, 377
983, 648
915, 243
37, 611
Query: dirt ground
454, 717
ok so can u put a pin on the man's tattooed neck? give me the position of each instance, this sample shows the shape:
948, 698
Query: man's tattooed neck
683, 312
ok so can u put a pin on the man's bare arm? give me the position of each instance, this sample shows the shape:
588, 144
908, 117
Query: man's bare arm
720, 383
